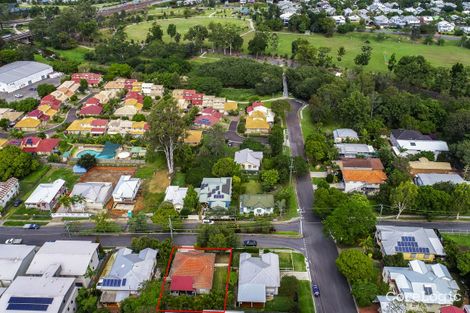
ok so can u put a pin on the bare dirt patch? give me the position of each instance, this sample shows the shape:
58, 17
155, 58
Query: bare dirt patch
159, 182
107, 174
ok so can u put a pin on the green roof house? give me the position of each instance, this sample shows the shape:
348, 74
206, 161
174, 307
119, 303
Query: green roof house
262, 204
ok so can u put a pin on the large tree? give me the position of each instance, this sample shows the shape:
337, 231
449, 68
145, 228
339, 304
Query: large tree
351, 221
403, 197
16, 163
167, 127
355, 265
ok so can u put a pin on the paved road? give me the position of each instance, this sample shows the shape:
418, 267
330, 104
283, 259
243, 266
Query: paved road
232, 136
52, 233
320, 250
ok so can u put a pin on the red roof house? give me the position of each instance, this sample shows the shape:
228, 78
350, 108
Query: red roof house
37, 145
51, 101
128, 83
181, 284
254, 105
212, 112
451, 309
92, 78
91, 110
92, 100
135, 95
39, 115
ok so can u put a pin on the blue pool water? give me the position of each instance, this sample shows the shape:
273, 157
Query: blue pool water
92, 152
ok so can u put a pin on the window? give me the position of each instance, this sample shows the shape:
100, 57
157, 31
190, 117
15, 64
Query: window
427, 290
413, 144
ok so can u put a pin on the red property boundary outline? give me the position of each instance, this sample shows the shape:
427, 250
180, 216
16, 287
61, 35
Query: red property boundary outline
162, 289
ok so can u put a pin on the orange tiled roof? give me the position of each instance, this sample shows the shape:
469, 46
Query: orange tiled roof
371, 177
197, 264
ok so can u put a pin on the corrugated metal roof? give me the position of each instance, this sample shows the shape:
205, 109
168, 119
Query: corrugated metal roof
17, 70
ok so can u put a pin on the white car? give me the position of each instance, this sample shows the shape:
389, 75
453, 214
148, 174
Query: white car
18, 95
13, 241
207, 221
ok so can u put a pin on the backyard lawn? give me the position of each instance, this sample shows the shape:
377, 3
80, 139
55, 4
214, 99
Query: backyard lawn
139, 31
446, 55
252, 187
64, 173
220, 278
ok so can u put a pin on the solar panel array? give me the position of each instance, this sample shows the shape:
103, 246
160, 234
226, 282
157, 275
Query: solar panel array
110, 282
29, 304
409, 245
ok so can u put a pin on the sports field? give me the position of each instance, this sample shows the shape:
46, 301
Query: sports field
139, 31
446, 55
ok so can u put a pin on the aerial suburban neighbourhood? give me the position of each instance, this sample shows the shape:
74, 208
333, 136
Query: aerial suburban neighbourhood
238, 156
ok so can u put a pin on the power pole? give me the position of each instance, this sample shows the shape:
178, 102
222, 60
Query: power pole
291, 168
171, 228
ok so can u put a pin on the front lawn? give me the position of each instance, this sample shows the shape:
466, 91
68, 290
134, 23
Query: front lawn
253, 187
461, 239
305, 297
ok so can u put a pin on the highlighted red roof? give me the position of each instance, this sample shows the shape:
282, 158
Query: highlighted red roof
92, 100
38, 145
451, 309
91, 110
196, 264
99, 122
91, 78
181, 283
51, 101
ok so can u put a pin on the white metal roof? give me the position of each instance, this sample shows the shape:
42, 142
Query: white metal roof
15, 71
126, 187
429, 179
56, 288
12, 258
93, 191
46, 192
73, 256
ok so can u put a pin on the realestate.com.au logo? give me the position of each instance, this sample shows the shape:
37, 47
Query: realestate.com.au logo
434, 298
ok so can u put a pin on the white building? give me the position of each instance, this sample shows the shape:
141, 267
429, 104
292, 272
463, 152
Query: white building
67, 258
8, 190
14, 261
354, 150
445, 27
429, 179
45, 293
127, 275
95, 196
175, 195
126, 189
45, 196
430, 284
152, 90
409, 142
259, 278
16, 75
249, 160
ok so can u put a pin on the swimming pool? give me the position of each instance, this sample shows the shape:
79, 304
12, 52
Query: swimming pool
92, 152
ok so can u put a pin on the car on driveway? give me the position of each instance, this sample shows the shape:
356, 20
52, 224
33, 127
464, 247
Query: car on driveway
17, 203
31, 226
18, 95
13, 241
207, 221
250, 243
316, 290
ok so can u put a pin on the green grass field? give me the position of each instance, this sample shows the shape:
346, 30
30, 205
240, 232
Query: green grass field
139, 31
63, 173
461, 240
446, 55
220, 278
305, 297
252, 187
75, 54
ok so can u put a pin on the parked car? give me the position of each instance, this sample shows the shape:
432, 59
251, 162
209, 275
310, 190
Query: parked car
13, 241
17, 203
250, 243
31, 226
18, 95
32, 89
207, 221
316, 290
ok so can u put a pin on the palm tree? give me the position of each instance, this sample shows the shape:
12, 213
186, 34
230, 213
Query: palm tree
68, 201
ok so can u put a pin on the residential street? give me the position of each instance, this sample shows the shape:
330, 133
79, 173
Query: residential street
320, 250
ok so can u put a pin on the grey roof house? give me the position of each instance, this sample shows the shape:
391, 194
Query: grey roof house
429, 179
248, 159
129, 271
261, 204
408, 142
259, 278
412, 242
14, 261
344, 134
216, 192
353, 150
96, 195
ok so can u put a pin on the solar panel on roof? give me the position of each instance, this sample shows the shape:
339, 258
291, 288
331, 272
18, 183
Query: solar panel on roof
34, 300
26, 307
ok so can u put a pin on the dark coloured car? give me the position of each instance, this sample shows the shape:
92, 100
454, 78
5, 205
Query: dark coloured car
316, 290
31, 226
17, 203
250, 243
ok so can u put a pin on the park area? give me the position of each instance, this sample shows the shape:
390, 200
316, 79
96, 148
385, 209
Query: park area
139, 31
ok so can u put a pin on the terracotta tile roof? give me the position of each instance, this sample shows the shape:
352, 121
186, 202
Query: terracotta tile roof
93, 100
256, 123
38, 145
451, 309
196, 264
367, 176
91, 110
29, 122
372, 163
99, 122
